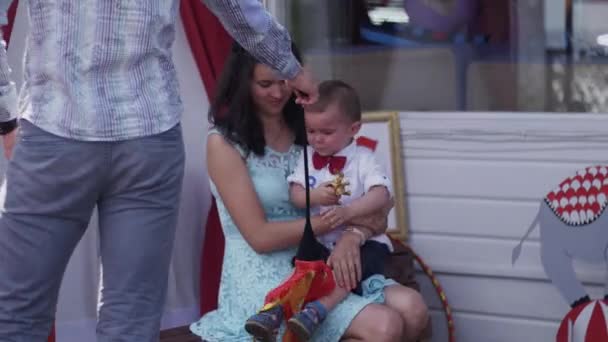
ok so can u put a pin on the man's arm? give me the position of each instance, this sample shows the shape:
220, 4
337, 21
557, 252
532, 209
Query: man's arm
256, 30
8, 92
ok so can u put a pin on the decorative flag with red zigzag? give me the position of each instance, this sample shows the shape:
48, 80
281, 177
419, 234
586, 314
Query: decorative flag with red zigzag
580, 199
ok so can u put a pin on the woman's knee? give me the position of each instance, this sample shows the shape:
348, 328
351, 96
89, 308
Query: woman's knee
418, 313
377, 323
391, 327
410, 305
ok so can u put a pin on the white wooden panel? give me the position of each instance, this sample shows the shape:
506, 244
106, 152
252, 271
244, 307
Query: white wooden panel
487, 328
474, 182
484, 179
546, 123
471, 216
491, 257
536, 300
506, 136
440, 328
578, 152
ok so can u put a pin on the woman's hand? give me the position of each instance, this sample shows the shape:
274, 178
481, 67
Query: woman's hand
320, 225
337, 216
345, 260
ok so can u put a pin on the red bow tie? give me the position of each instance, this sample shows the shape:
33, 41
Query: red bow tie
336, 163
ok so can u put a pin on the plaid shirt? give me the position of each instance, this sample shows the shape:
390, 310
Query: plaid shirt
102, 70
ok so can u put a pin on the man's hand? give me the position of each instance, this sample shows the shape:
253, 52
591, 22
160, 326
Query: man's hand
8, 141
305, 87
324, 194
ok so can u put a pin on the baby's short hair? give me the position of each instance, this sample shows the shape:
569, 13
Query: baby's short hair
339, 93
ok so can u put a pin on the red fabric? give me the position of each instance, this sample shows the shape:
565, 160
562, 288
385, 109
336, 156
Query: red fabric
321, 285
6, 31
309, 281
210, 45
211, 261
209, 42
52, 335
336, 163
367, 142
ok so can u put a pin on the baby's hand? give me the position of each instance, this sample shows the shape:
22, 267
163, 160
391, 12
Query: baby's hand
324, 195
337, 216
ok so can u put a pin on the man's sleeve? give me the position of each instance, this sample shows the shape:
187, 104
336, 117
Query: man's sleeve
257, 32
8, 92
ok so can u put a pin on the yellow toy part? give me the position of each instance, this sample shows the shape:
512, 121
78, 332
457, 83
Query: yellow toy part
339, 184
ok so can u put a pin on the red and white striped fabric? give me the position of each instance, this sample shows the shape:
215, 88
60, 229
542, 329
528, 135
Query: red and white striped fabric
585, 323
581, 199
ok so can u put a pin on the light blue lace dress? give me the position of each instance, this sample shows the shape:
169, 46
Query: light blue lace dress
247, 276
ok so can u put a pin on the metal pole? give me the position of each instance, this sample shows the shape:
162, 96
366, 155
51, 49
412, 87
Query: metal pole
568, 65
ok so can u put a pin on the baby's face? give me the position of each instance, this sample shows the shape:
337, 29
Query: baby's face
330, 131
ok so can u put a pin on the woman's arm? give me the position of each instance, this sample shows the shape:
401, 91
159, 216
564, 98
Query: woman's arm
344, 259
231, 178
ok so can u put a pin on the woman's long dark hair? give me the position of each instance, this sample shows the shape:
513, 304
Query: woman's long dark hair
233, 112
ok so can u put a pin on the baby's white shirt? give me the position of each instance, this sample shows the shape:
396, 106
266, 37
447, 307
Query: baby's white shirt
362, 171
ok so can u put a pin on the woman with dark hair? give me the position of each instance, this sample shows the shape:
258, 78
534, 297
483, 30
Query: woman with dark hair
256, 140
234, 109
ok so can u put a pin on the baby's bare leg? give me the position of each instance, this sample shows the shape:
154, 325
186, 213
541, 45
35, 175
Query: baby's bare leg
334, 298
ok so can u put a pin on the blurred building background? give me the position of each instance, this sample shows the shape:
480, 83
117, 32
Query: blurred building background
499, 100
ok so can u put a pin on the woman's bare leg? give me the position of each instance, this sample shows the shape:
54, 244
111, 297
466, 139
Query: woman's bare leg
375, 323
410, 305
